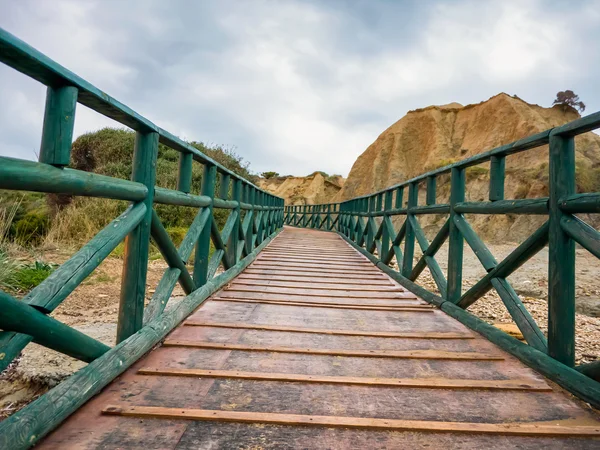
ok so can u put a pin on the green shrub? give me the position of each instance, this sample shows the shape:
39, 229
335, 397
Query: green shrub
27, 276
32, 228
7, 270
268, 175
177, 234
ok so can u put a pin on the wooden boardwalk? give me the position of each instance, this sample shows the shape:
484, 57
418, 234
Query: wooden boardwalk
313, 347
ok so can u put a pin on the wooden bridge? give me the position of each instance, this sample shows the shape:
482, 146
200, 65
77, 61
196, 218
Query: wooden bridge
310, 337
313, 347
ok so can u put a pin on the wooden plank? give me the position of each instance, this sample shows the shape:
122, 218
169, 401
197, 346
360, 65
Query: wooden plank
407, 309
381, 334
427, 383
403, 354
316, 269
511, 429
329, 286
249, 277
391, 295
346, 274
362, 267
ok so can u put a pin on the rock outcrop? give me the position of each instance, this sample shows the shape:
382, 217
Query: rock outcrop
435, 136
310, 190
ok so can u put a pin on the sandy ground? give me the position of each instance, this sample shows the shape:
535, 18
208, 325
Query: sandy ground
92, 308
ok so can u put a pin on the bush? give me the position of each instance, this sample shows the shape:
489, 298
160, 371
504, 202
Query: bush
32, 228
268, 175
27, 276
177, 234
110, 152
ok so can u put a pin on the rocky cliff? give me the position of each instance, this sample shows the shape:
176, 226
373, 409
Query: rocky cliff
310, 190
435, 136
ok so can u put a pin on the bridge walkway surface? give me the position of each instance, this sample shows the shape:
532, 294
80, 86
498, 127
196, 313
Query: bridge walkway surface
312, 346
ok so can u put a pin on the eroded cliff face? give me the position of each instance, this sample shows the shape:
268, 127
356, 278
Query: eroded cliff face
435, 136
310, 190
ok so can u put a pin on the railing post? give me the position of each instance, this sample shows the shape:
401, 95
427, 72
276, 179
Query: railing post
184, 181
385, 235
304, 215
455, 238
209, 177
431, 191
399, 197
234, 237
561, 254
137, 243
329, 216
409, 237
370, 231
497, 164
59, 119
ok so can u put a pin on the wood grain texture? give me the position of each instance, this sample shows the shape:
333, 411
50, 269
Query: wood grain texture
537, 429
428, 383
383, 334
414, 354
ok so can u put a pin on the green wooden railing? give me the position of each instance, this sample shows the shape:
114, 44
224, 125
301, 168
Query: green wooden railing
255, 216
367, 224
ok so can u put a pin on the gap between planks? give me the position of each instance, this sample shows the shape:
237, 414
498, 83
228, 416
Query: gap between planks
426, 383
381, 334
418, 308
516, 429
401, 354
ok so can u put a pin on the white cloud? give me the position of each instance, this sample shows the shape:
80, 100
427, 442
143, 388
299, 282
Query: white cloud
299, 86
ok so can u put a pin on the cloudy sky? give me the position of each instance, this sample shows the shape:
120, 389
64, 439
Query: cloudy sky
296, 86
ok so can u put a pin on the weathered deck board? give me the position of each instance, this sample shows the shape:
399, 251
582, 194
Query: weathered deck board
274, 376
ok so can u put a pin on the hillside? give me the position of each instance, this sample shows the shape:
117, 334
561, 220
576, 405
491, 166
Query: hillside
435, 136
310, 190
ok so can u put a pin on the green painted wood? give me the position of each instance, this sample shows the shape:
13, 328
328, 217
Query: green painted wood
224, 187
137, 243
582, 233
522, 206
497, 172
433, 248
203, 245
171, 197
46, 412
184, 179
167, 283
234, 243
409, 238
581, 203
477, 245
568, 378
21, 318
21, 175
561, 254
519, 256
169, 253
54, 289
408, 284
591, 370
59, 120
385, 235
431, 191
399, 197
531, 332
455, 238
434, 268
